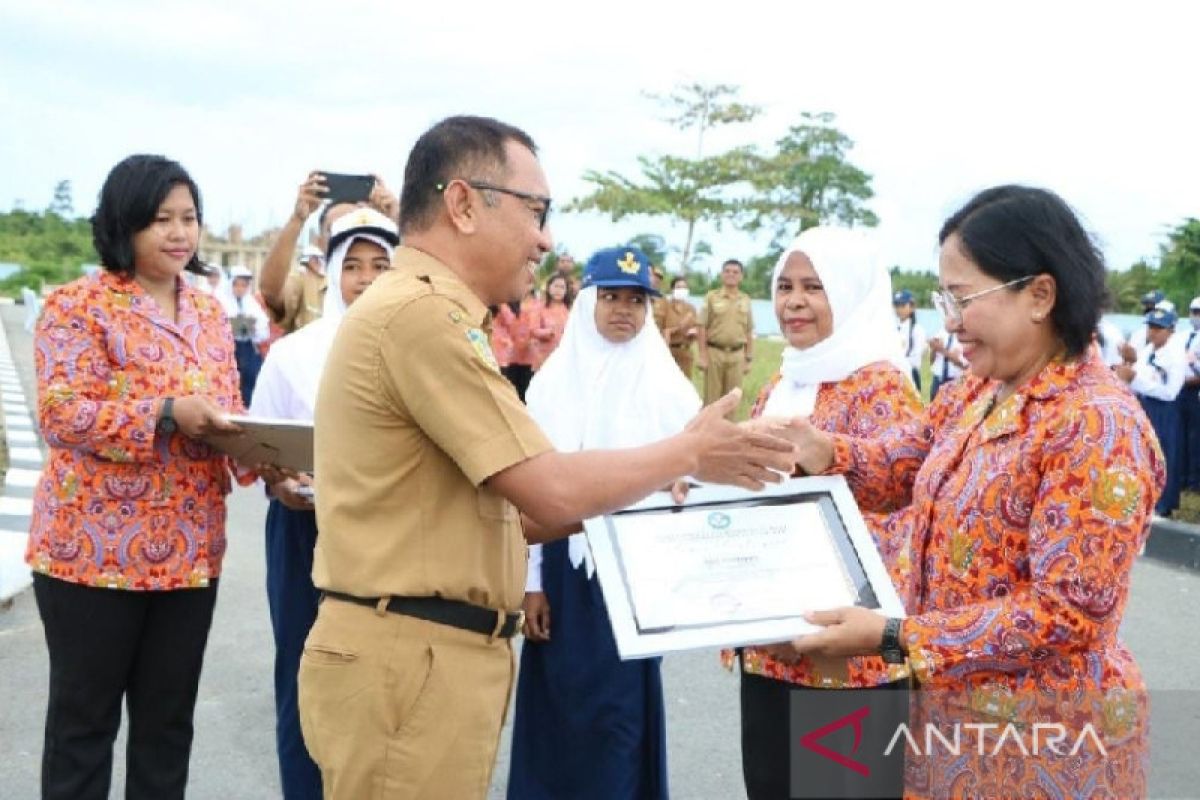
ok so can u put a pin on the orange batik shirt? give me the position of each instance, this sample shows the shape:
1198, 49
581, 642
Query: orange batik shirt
117, 504
1024, 524
865, 403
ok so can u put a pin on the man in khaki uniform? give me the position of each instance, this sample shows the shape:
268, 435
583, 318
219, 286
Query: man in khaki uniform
295, 298
424, 454
726, 340
680, 325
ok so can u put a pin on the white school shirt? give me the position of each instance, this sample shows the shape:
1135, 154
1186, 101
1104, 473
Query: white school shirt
940, 367
912, 340
1159, 373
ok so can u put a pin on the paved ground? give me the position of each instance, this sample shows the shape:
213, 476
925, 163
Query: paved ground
234, 755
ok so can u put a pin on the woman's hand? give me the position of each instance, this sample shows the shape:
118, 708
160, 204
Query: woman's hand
850, 631
198, 416
813, 447
679, 491
286, 493
537, 617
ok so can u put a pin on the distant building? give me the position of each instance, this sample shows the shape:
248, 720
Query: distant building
233, 248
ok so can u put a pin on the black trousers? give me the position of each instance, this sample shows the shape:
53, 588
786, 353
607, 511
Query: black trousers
519, 375
769, 739
107, 645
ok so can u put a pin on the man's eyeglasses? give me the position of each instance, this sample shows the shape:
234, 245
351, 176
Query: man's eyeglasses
951, 307
542, 210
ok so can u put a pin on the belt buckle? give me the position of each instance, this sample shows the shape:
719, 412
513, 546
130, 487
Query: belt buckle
520, 622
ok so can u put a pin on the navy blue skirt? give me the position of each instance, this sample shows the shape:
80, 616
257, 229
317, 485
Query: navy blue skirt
1165, 417
586, 725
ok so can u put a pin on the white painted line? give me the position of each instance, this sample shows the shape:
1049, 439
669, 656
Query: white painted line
16, 506
19, 421
22, 437
12, 397
14, 572
25, 454
24, 478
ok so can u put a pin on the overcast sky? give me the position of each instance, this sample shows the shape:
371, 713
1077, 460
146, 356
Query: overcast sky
1098, 104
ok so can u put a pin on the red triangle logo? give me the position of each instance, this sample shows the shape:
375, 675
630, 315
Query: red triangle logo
855, 718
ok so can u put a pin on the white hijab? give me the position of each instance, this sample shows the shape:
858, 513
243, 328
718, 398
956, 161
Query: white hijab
302, 354
592, 393
859, 291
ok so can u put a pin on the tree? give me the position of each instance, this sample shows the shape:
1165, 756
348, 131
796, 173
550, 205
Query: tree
689, 190
1179, 263
921, 283
808, 181
62, 204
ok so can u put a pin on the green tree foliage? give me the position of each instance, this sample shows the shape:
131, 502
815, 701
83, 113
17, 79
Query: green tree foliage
921, 283
688, 190
51, 248
1177, 273
808, 181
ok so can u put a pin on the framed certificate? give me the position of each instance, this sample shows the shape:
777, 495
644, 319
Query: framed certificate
283, 442
731, 567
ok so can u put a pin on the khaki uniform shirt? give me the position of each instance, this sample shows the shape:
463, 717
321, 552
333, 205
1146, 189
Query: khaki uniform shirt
658, 308
726, 319
303, 300
412, 417
679, 315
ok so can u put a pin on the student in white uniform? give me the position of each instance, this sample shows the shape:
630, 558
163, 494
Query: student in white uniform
912, 335
947, 362
1156, 377
361, 245
1150, 301
1189, 399
250, 327
1109, 338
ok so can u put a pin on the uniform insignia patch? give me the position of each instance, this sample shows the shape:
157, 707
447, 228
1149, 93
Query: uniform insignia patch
483, 348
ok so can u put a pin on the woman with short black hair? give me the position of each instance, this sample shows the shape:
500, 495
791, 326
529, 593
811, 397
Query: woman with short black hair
1028, 487
127, 535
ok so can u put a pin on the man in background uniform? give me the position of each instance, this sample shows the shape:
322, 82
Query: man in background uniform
726, 334
680, 325
658, 305
427, 466
295, 298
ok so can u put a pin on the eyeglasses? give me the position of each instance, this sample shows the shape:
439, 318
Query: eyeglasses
951, 307
543, 211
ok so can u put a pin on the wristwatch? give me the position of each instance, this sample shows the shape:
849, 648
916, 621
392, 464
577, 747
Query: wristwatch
166, 418
890, 648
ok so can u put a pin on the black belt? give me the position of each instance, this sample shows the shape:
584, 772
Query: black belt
733, 348
455, 613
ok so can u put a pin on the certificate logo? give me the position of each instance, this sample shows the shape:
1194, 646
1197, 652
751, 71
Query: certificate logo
718, 520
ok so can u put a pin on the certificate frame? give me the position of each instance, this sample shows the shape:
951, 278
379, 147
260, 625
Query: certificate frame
855, 545
282, 442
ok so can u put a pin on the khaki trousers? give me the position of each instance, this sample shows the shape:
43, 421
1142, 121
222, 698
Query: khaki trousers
724, 374
395, 707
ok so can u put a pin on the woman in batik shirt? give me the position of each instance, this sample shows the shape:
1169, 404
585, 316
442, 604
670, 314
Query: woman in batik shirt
1028, 486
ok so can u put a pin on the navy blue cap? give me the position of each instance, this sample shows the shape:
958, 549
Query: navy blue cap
619, 266
903, 298
1162, 318
1153, 298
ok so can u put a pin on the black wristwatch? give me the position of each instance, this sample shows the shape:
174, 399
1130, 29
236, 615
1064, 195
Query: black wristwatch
166, 418
890, 648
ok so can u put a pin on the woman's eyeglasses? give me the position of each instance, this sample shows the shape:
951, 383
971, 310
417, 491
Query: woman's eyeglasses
951, 307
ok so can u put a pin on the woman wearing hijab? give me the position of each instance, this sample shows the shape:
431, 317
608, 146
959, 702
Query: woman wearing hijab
588, 725
360, 250
842, 369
